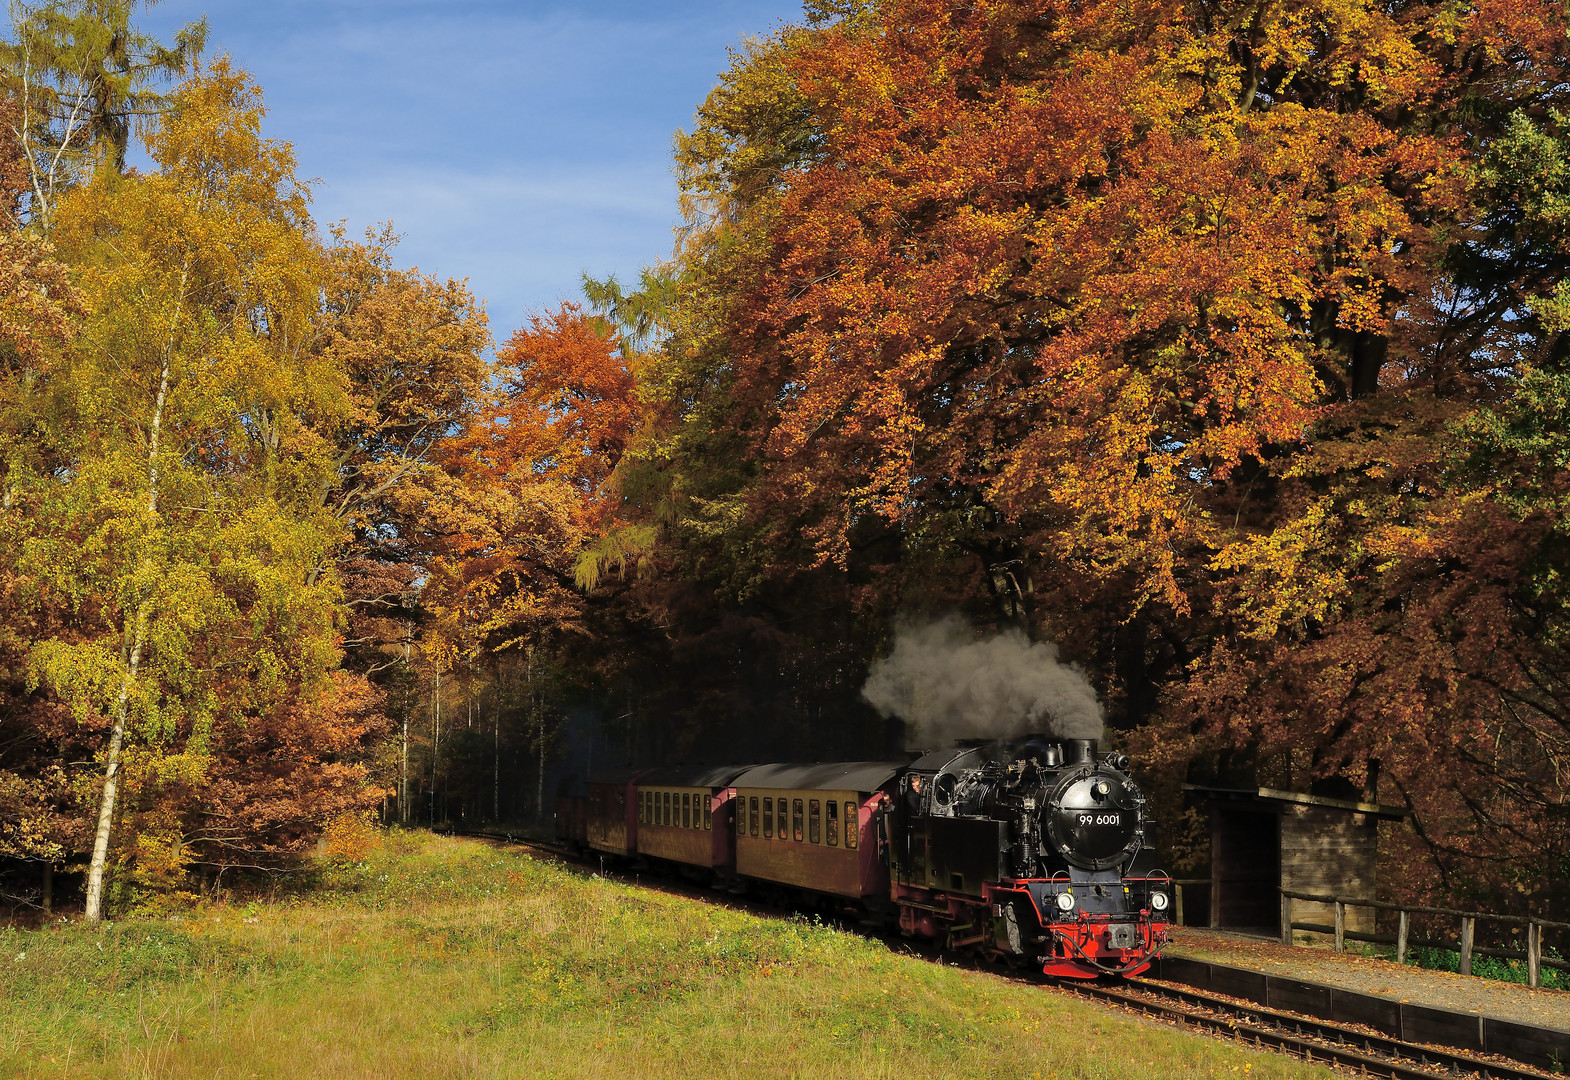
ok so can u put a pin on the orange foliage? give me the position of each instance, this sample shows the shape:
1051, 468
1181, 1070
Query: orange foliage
1181, 306
278, 779
526, 487
1058, 256
567, 405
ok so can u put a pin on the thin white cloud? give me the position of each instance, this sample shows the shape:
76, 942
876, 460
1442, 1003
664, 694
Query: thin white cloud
517, 144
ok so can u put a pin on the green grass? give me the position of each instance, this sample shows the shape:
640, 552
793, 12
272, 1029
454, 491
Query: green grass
1488, 967
1483, 967
449, 958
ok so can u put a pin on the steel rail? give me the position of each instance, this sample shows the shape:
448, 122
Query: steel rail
1309, 1038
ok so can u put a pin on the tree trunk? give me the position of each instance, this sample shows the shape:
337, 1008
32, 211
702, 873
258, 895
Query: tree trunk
403, 774
436, 741
106, 806
403, 766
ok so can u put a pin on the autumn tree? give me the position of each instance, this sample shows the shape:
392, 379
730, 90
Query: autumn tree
83, 77
529, 488
411, 352
172, 564
1162, 328
37, 305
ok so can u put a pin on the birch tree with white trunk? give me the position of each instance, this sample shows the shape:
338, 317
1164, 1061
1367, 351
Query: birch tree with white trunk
188, 523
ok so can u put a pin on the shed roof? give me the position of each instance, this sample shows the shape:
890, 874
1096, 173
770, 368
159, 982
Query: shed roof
714, 776
1275, 798
822, 775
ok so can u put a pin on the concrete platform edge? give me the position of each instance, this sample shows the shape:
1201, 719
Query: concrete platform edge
1546, 1048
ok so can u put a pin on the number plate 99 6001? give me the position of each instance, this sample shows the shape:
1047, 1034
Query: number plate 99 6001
1101, 819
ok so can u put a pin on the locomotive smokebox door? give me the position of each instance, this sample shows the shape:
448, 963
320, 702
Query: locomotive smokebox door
1094, 823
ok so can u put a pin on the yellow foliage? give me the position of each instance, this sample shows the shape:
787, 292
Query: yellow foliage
349, 838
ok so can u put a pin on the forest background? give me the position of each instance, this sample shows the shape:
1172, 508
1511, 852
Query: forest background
1222, 344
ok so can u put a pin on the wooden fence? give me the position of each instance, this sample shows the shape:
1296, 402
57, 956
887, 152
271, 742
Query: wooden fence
1465, 942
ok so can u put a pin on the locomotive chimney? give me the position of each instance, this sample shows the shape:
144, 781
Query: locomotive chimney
1084, 751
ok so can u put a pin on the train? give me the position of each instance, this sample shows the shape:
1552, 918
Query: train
1029, 851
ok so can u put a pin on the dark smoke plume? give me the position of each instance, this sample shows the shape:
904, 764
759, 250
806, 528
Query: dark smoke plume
947, 684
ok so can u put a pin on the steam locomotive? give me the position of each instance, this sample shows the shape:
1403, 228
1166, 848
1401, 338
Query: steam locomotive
1031, 850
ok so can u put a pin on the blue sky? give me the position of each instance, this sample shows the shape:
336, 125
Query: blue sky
514, 144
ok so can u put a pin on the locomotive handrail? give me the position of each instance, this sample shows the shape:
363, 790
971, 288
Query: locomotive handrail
1533, 954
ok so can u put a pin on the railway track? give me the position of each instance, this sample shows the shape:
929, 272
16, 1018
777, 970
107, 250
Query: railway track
1309, 1038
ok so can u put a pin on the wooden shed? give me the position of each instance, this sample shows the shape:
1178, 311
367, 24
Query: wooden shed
1263, 840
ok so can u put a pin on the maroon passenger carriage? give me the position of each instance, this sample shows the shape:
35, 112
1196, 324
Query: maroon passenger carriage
683, 817
814, 828
1030, 850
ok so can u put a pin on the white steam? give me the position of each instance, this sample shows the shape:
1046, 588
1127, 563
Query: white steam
947, 684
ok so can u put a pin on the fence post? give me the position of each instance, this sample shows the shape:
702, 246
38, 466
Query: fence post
1340, 926
1177, 903
1534, 953
1286, 919
1468, 927
1401, 932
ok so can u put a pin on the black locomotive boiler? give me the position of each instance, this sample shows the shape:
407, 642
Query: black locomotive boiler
1032, 850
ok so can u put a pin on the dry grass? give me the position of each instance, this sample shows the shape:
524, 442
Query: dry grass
442, 958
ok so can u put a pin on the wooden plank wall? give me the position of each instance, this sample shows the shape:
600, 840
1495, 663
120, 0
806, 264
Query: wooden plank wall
1329, 851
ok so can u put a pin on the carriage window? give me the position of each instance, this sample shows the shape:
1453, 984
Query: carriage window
814, 820
768, 819
708, 811
782, 819
754, 829
741, 818
665, 808
833, 830
852, 825
796, 820
643, 807
621, 800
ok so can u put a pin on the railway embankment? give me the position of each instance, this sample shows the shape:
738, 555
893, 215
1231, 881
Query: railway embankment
442, 957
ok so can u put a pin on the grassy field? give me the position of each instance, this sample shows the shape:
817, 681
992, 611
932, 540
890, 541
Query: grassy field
432, 958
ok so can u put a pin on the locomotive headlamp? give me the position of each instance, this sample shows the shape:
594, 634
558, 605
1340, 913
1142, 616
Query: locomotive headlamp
1065, 901
1158, 901
1101, 789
